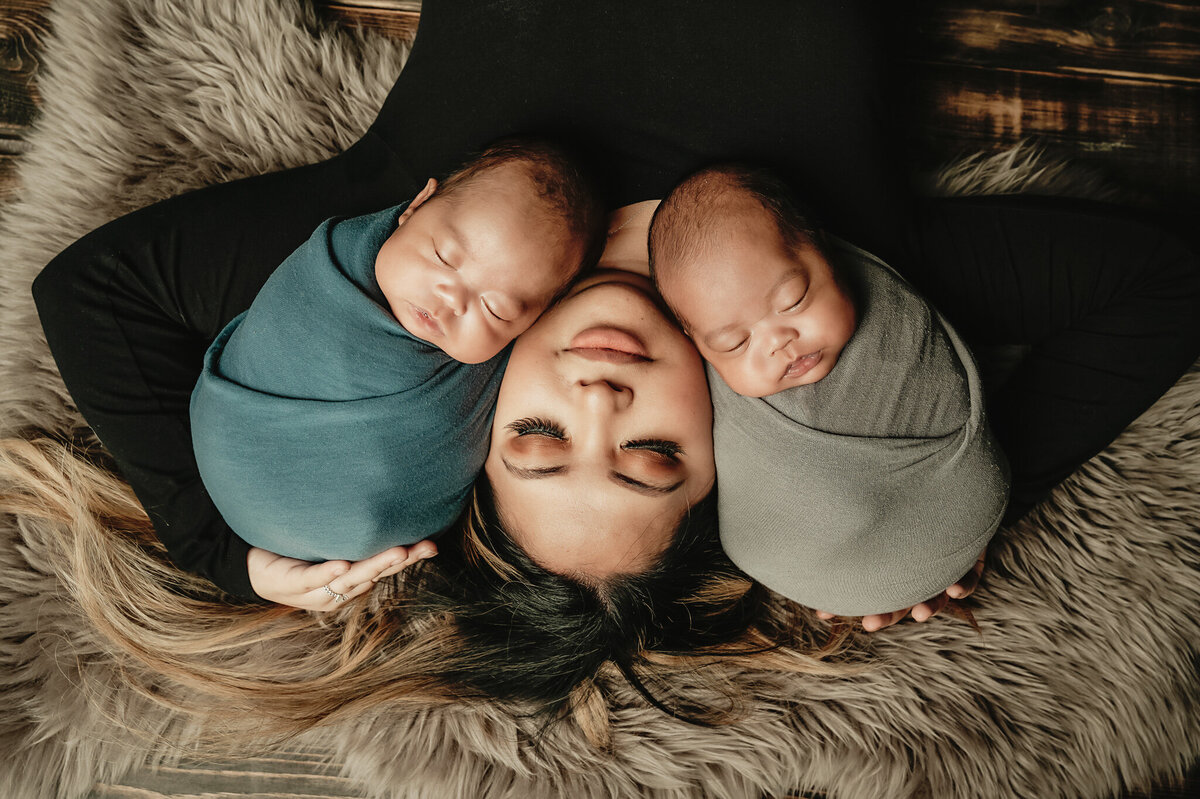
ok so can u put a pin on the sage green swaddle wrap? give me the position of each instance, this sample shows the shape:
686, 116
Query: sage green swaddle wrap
322, 428
876, 487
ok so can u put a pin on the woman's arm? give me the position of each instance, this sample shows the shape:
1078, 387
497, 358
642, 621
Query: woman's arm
130, 309
1106, 303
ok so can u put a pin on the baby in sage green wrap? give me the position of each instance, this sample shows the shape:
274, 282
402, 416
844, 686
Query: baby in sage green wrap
856, 471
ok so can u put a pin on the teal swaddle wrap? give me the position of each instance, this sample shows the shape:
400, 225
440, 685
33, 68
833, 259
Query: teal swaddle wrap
322, 428
876, 487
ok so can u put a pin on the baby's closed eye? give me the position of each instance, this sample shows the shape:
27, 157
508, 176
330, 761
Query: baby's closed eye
736, 347
794, 305
726, 342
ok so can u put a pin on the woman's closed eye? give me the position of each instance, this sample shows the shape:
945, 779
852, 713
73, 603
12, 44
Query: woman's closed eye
537, 426
540, 426
668, 449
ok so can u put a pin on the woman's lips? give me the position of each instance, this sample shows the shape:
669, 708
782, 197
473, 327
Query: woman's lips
610, 344
800, 366
606, 356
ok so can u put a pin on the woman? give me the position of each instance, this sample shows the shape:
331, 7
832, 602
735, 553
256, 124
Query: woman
130, 308
652, 100
496, 617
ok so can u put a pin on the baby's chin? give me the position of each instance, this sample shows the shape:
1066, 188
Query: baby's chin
467, 355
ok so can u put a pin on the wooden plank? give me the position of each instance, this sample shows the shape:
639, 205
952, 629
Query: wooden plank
1115, 84
395, 18
1146, 38
22, 27
1146, 132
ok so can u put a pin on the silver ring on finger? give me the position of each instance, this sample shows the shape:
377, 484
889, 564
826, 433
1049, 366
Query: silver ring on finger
336, 596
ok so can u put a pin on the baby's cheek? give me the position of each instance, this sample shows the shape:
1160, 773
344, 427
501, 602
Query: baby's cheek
738, 377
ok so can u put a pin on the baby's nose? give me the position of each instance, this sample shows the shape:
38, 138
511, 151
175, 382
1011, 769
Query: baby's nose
453, 296
780, 338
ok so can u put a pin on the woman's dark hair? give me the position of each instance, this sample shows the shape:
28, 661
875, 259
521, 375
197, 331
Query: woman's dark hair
481, 621
545, 634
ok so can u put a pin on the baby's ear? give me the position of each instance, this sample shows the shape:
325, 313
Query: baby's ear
425, 193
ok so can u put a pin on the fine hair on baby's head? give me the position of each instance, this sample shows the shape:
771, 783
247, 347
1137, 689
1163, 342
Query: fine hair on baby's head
567, 191
703, 207
475, 259
737, 258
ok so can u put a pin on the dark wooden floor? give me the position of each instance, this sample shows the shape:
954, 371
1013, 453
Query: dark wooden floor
1116, 84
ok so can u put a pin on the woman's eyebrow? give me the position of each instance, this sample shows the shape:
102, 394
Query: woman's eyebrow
645, 489
533, 474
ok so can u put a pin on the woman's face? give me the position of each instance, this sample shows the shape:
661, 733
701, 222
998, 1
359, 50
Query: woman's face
603, 430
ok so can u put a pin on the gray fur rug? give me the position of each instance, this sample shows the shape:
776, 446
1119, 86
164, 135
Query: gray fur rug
1084, 678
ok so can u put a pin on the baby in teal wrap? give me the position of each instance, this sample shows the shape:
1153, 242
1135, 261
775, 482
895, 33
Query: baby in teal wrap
856, 471
348, 410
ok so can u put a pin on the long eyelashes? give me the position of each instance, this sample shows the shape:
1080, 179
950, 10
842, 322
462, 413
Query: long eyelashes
668, 449
534, 425
538, 426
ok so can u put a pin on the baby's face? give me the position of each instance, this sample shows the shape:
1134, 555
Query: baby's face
471, 272
766, 316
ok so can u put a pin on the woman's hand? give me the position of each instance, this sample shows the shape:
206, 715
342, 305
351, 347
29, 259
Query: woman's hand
926, 610
302, 584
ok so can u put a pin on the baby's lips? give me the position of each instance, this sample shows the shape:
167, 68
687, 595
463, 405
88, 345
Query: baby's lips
801, 366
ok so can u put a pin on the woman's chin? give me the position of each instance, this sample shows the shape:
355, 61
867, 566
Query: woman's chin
606, 276
618, 303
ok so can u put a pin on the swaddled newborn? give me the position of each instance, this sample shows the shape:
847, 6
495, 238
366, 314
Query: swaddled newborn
348, 410
856, 470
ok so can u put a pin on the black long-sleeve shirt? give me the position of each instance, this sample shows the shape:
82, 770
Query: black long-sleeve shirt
1105, 306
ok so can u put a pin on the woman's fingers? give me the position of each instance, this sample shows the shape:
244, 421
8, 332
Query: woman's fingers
925, 610
877, 621
329, 584
366, 570
319, 574
418, 551
930, 607
969, 581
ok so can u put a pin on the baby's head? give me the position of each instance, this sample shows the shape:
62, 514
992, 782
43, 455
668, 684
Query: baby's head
739, 263
474, 260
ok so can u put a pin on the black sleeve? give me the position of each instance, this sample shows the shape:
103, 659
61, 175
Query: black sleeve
1106, 304
129, 310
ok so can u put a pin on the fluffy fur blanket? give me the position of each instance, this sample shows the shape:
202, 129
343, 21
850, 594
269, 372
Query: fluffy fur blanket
1084, 678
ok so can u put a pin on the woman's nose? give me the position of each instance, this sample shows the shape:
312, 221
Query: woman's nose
452, 295
605, 395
